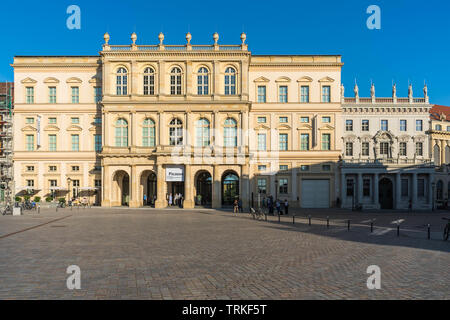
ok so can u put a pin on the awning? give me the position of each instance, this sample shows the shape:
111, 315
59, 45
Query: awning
27, 188
89, 188
58, 189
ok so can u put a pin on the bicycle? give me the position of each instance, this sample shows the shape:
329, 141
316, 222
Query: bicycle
446, 229
7, 211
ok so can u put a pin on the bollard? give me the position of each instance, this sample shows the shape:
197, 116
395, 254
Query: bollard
293, 219
429, 232
279, 218
328, 222
371, 227
309, 217
398, 230
348, 226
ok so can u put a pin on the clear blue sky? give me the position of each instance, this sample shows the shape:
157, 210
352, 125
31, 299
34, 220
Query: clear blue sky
413, 43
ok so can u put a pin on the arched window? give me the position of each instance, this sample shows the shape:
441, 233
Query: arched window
122, 82
175, 81
230, 133
149, 82
121, 133
230, 81
176, 132
202, 133
202, 81
148, 133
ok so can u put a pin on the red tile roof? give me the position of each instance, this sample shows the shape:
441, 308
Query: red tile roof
436, 111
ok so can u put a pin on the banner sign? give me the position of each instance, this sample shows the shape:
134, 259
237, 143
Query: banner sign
175, 174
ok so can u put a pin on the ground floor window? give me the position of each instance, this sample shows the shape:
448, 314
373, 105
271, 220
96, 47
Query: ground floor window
350, 187
262, 186
283, 186
405, 191
366, 187
421, 188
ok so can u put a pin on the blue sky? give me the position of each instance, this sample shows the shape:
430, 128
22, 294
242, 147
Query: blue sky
412, 45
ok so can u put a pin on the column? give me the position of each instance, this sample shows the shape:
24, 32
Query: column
360, 188
343, 190
188, 188
216, 188
245, 187
414, 190
133, 128
134, 185
160, 198
376, 192
294, 193
398, 190
106, 187
442, 152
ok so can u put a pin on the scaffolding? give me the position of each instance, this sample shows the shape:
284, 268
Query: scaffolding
6, 142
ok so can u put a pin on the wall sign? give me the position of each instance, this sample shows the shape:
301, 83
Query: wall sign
175, 174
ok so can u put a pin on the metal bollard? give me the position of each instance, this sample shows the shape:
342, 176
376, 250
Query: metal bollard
398, 229
429, 232
371, 226
348, 226
293, 219
309, 217
328, 222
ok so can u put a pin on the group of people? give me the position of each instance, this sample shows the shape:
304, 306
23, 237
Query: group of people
282, 207
175, 200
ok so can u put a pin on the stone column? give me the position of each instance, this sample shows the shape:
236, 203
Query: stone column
442, 152
161, 197
106, 187
134, 186
294, 182
245, 186
216, 188
376, 192
398, 190
414, 190
133, 128
360, 188
188, 188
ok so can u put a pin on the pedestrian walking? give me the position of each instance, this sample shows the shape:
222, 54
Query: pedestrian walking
170, 200
278, 205
235, 207
145, 199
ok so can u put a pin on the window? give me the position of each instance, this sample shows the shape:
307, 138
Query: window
148, 133
262, 186
402, 125
365, 149
365, 125
52, 120
121, 82
75, 120
366, 187
262, 120
304, 168
97, 183
149, 82
283, 119
30, 183
75, 95
230, 81
420, 188
283, 186
304, 141
282, 94
29, 120
284, 167
52, 168
419, 125
52, 142
326, 143
30, 168
384, 125
326, 94
304, 94
230, 133
202, 81
202, 133
175, 81
75, 168
98, 142
448, 128
53, 183
326, 167
30, 142
75, 142
384, 148
176, 132
52, 94
419, 149
97, 94
121, 135
75, 190
349, 149
350, 187
402, 148
283, 142
30, 94
261, 94
262, 167
326, 119
97, 168
304, 119
439, 190
262, 142
438, 127
348, 125
405, 187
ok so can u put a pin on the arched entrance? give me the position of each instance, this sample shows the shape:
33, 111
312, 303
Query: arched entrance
386, 191
230, 188
203, 186
148, 185
121, 191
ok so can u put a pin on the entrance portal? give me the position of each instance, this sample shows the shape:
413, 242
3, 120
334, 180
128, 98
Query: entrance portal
175, 188
204, 189
386, 194
149, 184
230, 188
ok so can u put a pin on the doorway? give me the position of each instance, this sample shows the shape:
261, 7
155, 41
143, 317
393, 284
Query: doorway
204, 189
386, 191
230, 188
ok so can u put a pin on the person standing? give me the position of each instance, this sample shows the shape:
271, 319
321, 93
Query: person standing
235, 207
286, 207
170, 200
145, 199
240, 205
278, 205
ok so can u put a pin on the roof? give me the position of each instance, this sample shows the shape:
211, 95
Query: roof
437, 111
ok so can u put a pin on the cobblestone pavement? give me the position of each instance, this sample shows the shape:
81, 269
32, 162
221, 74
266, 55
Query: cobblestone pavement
207, 254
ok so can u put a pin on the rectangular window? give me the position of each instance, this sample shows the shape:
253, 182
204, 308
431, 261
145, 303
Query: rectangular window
365, 125
349, 149
405, 192
97, 94
98, 142
326, 94
304, 168
52, 94
304, 141
262, 186
403, 125
350, 187
75, 142
283, 94
75, 168
402, 148
348, 125
262, 146
365, 149
283, 142
75, 190
366, 187
261, 94
262, 167
30, 168
326, 141
52, 142
283, 119
419, 125
438, 127
97, 183
29, 120
284, 167
30, 94
75, 120
53, 183
384, 125
326, 167
384, 148
419, 149
30, 142
51, 120
420, 188
304, 119
283, 186
304, 94
30, 183
326, 119
52, 168
262, 120
75, 95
